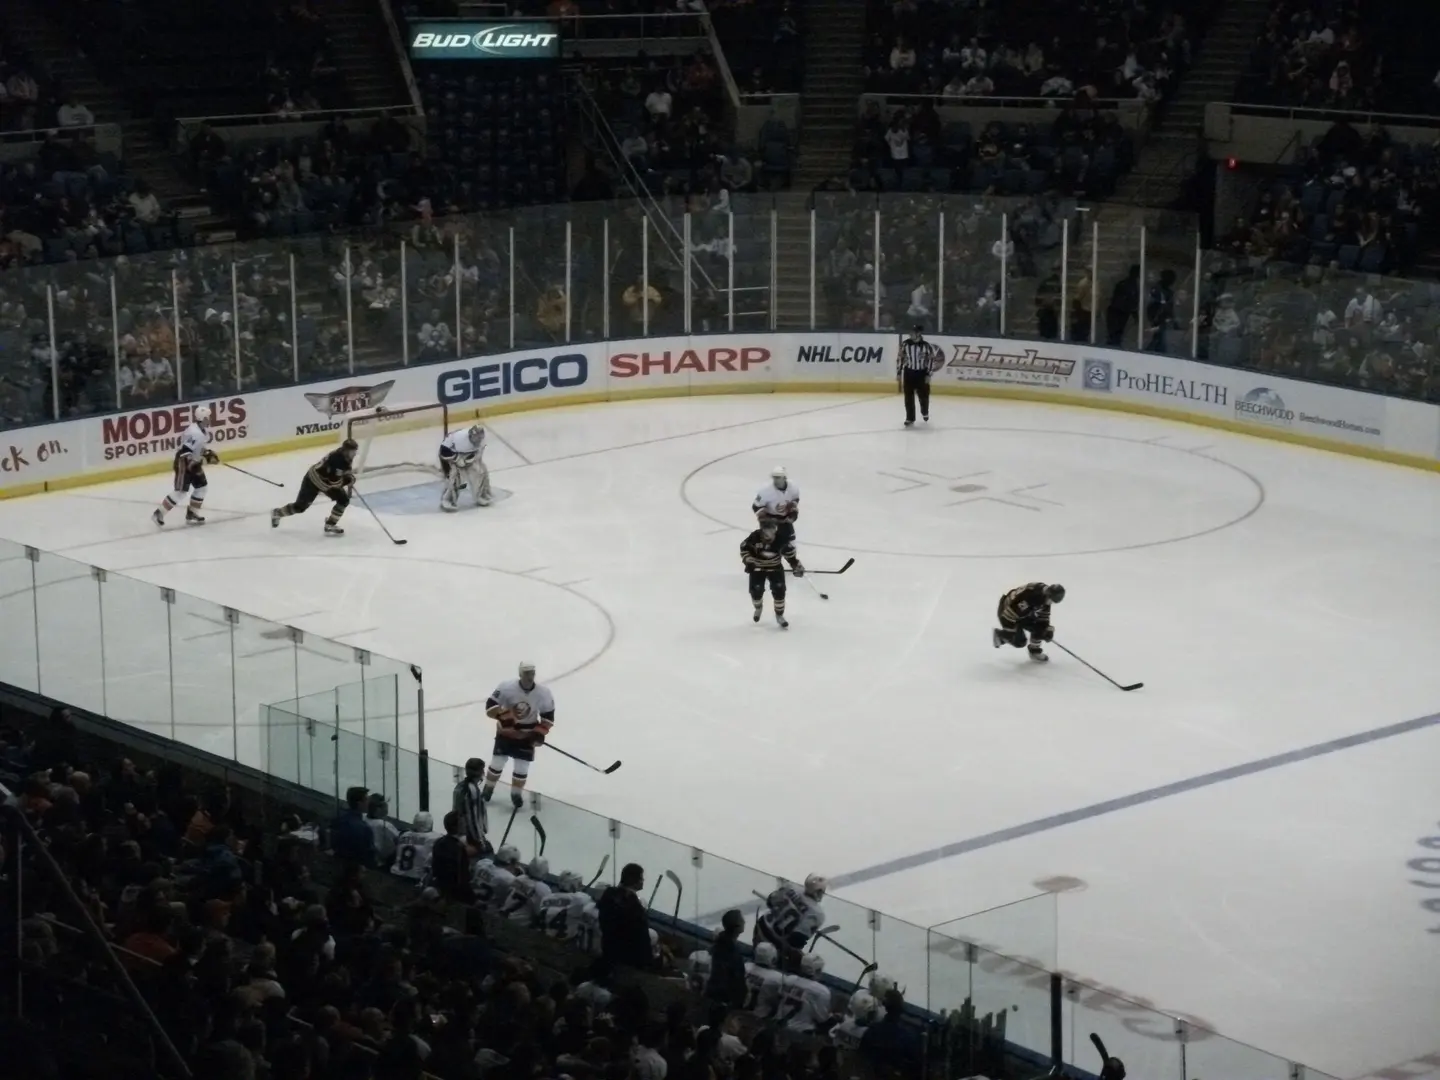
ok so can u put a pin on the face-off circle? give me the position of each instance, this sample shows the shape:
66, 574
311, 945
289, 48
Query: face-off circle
983, 493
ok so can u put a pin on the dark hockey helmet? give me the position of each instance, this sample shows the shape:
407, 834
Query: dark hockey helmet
1054, 593
350, 444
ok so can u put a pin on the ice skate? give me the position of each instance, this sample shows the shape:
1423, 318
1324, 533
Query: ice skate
192, 518
1038, 655
275, 517
779, 618
997, 638
158, 517
909, 423
759, 609
482, 500
331, 529
485, 794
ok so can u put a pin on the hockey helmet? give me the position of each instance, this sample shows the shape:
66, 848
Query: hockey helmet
508, 855
779, 477
423, 822
766, 955
1054, 593
811, 965
815, 886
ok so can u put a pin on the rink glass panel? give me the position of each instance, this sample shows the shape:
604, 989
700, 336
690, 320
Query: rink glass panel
1026, 929
19, 659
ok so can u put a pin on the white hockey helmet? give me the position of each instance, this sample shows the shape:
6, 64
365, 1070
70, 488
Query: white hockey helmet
571, 882
880, 985
699, 961
811, 964
476, 433
527, 671
508, 855
864, 1008
815, 886
539, 868
766, 955
779, 476
423, 822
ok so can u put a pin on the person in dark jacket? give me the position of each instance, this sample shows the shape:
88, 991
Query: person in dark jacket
1124, 306
450, 862
624, 926
727, 967
350, 835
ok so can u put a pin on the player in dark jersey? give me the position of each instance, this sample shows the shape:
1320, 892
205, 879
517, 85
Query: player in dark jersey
762, 551
1026, 612
332, 475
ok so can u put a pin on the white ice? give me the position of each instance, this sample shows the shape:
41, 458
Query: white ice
1271, 597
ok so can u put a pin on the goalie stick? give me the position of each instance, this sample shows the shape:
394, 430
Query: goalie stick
1092, 667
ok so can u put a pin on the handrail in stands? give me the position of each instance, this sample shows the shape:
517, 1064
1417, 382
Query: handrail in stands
1354, 116
27, 837
393, 28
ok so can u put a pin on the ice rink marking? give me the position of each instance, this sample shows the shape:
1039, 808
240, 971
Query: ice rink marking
1125, 802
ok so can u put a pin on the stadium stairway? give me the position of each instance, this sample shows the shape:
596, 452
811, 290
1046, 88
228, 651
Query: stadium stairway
834, 44
1167, 159
146, 155
361, 48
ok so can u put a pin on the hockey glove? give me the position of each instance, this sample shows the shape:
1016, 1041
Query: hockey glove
211, 457
797, 569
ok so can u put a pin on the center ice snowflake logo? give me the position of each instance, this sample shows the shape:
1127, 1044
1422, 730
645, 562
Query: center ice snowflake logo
976, 487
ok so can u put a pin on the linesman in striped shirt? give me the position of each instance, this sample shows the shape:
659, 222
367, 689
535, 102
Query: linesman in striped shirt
469, 806
918, 358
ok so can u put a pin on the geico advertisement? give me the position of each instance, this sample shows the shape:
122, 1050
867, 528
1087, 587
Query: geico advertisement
501, 378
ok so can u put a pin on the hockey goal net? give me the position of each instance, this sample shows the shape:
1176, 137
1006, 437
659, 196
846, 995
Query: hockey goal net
398, 438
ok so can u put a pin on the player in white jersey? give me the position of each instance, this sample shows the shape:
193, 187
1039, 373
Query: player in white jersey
528, 893
792, 915
762, 981
863, 1011
877, 988
462, 463
524, 712
804, 1000
412, 849
780, 503
191, 457
493, 878
560, 911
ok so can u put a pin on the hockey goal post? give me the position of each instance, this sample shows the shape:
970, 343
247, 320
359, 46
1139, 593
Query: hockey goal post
398, 438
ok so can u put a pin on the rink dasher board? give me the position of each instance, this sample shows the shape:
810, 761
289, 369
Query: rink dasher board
99, 449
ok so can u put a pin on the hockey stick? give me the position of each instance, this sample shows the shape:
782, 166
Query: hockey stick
651, 902
604, 862
506, 835
865, 973
679, 891
825, 933
539, 831
253, 476
1112, 682
376, 516
582, 761
848, 563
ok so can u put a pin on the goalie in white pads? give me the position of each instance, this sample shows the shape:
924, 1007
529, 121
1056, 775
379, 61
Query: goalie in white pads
462, 463
792, 915
191, 457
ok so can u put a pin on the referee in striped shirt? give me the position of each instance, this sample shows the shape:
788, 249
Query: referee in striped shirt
912, 374
469, 805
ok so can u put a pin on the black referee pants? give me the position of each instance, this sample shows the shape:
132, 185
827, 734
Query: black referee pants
916, 383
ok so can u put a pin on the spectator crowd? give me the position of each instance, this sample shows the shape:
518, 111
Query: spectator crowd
371, 950
1035, 48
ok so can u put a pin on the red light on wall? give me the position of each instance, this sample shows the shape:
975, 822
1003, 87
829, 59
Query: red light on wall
1232, 164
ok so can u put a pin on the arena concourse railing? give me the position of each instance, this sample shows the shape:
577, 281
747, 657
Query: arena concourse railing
285, 310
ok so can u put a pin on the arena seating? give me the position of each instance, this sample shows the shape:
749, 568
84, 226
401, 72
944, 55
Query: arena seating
207, 57
1382, 60
28, 96
762, 43
1032, 48
262, 953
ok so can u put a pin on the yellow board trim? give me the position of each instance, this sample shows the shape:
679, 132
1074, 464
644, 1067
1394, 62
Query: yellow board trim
161, 463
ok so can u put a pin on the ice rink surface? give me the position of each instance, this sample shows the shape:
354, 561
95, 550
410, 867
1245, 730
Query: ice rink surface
1244, 839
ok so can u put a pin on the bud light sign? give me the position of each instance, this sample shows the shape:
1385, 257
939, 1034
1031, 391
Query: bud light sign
484, 41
